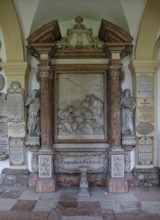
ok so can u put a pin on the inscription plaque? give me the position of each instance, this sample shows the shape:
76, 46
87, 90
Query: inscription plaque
16, 129
144, 86
3, 104
145, 150
16, 151
70, 162
144, 128
15, 102
145, 110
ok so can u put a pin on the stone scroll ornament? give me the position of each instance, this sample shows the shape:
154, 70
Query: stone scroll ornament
128, 106
33, 122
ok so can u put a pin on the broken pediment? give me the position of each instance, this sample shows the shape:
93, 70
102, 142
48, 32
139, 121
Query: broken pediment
80, 42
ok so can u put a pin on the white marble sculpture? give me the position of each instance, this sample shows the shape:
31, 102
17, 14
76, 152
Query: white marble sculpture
33, 123
128, 106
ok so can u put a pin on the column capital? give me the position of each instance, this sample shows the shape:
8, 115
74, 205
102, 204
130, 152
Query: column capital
144, 66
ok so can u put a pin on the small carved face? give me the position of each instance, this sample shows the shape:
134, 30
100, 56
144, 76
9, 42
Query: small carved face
34, 93
127, 93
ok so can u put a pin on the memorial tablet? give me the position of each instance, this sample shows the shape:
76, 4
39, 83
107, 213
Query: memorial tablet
144, 86
15, 102
145, 110
16, 151
3, 104
145, 145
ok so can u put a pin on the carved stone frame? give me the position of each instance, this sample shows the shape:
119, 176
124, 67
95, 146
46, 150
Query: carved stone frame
80, 69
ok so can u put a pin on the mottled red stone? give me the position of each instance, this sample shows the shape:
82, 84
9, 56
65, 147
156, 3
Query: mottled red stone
45, 185
25, 205
12, 194
117, 185
32, 179
114, 112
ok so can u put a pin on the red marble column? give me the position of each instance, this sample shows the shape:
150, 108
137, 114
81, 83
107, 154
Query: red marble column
46, 117
114, 111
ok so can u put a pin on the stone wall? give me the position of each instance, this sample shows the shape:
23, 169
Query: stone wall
146, 177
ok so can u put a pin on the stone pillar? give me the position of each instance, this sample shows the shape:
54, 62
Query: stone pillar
114, 116
46, 122
116, 181
46, 180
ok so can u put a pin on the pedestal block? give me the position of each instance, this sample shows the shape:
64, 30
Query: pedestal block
116, 181
117, 185
45, 185
46, 180
33, 179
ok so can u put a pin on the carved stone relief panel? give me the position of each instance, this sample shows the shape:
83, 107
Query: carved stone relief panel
80, 110
117, 166
45, 166
70, 162
15, 102
145, 150
16, 151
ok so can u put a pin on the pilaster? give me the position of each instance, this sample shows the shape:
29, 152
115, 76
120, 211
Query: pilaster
145, 90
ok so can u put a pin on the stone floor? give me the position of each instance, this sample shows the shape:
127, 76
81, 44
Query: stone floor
19, 203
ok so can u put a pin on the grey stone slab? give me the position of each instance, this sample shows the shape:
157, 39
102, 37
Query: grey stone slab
7, 204
111, 206
45, 205
30, 194
131, 206
81, 218
151, 207
49, 196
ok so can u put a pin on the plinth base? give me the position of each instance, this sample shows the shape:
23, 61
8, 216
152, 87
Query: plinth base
33, 179
117, 185
83, 193
45, 185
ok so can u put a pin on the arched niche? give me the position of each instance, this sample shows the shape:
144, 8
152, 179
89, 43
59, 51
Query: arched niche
112, 44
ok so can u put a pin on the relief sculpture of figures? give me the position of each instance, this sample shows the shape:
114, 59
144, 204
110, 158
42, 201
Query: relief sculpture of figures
33, 123
87, 119
128, 106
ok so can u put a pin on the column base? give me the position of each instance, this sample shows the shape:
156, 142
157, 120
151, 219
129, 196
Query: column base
117, 185
45, 185
33, 179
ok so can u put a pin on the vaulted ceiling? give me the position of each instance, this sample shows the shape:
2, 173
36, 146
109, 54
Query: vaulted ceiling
33, 14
